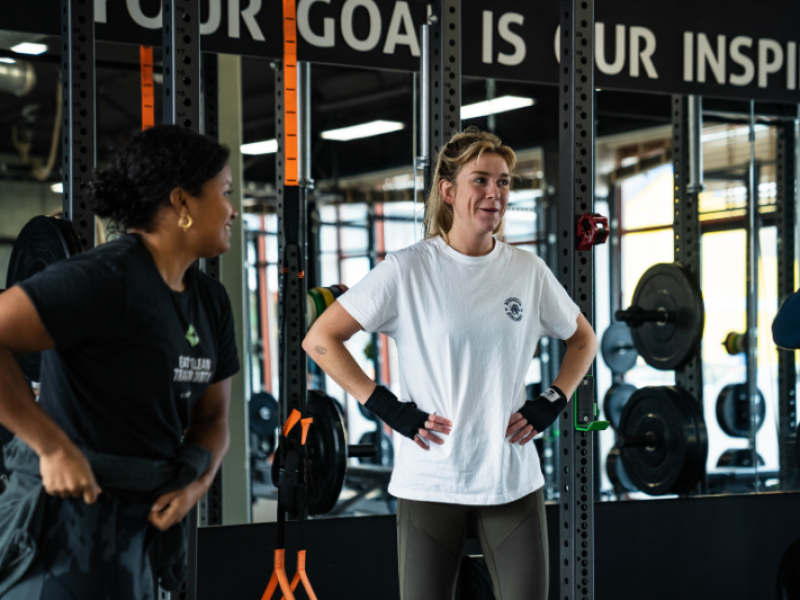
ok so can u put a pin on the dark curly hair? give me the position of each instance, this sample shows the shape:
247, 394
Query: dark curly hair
144, 173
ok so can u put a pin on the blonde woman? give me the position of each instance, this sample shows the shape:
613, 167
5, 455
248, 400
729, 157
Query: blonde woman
466, 311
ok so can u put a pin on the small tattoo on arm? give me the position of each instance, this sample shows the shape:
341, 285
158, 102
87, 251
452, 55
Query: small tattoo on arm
583, 346
321, 349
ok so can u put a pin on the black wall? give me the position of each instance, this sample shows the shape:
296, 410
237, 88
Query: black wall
722, 547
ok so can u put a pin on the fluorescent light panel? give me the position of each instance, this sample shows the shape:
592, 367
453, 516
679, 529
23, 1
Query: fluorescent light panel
345, 134
497, 105
9, 61
265, 147
58, 188
29, 48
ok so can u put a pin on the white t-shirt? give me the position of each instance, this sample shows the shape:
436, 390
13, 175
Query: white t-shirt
466, 329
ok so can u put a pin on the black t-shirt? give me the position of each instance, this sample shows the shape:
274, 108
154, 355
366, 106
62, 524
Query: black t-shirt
131, 355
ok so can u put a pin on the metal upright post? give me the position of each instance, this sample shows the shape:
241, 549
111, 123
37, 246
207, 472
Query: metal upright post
210, 505
181, 58
688, 172
444, 77
78, 97
423, 151
752, 290
576, 273
786, 179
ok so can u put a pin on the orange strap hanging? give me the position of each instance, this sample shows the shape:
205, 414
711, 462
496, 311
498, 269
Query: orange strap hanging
279, 577
148, 98
290, 173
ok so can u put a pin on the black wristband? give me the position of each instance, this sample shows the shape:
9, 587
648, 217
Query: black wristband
404, 417
542, 412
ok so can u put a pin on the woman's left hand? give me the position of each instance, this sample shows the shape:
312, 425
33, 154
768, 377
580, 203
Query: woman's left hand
170, 508
519, 428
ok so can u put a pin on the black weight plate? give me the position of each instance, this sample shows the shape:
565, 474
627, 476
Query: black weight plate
474, 581
691, 476
614, 401
386, 450
263, 409
676, 463
670, 288
616, 473
42, 242
739, 458
733, 410
327, 452
617, 348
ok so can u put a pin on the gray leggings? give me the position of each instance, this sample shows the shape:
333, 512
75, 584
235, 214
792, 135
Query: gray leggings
431, 538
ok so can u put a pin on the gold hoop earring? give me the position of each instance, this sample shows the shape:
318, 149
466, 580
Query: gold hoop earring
185, 226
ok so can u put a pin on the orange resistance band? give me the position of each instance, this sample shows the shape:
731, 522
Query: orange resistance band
148, 99
290, 174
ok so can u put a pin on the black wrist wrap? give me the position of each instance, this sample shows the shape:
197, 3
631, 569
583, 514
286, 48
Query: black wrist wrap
542, 412
404, 417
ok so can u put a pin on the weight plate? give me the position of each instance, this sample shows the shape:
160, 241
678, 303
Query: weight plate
336, 291
733, 410
739, 457
42, 242
474, 581
327, 295
617, 348
386, 450
326, 447
676, 463
311, 311
263, 409
671, 289
616, 473
614, 401
319, 302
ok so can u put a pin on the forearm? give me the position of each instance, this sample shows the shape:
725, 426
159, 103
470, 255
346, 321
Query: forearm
213, 435
576, 363
20, 413
333, 357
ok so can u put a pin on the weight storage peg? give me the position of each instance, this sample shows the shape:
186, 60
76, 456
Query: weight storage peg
592, 230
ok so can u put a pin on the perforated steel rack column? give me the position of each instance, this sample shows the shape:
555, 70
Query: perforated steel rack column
444, 70
292, 211
78, 97
181, 98
576, 273
181, 58
686, 225
210, 505
547, 251
786, 180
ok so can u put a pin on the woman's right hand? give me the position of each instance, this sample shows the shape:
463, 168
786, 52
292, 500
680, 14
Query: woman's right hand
67, 474
437, 424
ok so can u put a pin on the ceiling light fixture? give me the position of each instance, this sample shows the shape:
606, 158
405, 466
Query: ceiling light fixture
9, 61
58, 188
265, 147
29, 48
497, 105
345, 134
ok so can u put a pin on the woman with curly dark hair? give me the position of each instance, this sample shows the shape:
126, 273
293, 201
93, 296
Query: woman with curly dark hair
131, 424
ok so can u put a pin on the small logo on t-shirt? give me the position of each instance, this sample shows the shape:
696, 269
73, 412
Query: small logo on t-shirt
513, 308
192, 337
